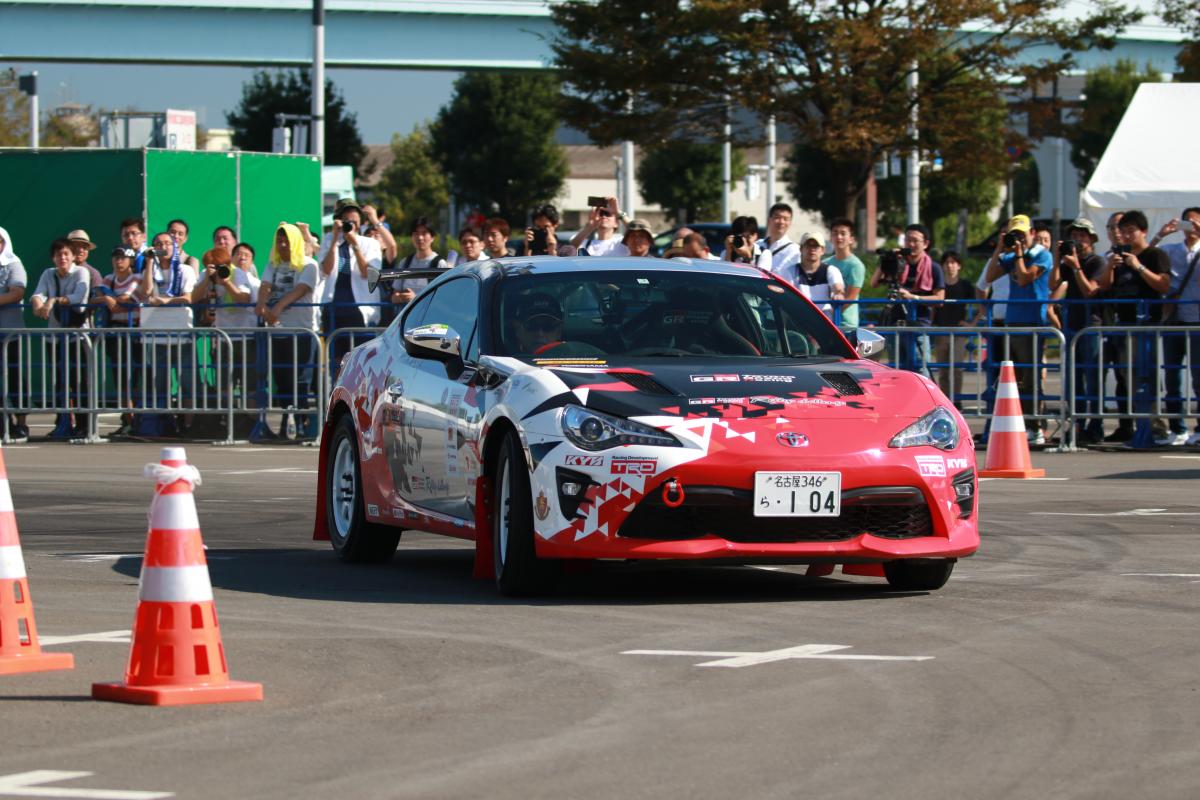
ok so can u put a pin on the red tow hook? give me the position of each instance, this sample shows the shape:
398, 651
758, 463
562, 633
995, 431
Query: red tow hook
673, 487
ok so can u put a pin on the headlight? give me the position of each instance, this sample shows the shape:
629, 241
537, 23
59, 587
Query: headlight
938, 429
592, 430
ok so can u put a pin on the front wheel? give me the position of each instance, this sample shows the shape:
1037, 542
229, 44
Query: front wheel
918, 575
352, 536
518, 570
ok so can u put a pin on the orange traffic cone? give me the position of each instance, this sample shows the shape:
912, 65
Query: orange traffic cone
176, 657
1008, 446
19, 648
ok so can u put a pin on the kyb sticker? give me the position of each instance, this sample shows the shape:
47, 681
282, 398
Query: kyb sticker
931, 466
632, 465
956, 463
585, 461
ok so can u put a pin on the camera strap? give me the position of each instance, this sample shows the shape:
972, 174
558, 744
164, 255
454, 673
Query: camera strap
1171, 310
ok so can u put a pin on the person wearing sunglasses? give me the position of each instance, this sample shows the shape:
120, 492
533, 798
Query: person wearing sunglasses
599, 236
538, 324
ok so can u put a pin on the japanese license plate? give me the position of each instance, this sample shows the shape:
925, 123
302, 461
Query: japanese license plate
797, 494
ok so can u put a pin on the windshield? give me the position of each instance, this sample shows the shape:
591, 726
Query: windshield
652, 313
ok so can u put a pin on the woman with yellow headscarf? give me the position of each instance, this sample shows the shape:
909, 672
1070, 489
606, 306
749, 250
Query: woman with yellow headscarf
287, 300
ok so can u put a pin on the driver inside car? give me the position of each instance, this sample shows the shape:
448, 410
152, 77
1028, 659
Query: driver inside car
538, 325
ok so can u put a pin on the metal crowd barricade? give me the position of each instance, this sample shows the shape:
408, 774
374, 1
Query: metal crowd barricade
48, 370
1141, 362
982, 365
279, 371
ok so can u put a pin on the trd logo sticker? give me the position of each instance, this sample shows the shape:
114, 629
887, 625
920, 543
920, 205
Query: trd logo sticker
632, 465
715, 378
956, 463
931, 466
541, 506
584, 461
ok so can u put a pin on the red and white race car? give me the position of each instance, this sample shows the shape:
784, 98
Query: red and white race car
627, 408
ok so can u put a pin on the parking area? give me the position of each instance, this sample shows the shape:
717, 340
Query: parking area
1060, 661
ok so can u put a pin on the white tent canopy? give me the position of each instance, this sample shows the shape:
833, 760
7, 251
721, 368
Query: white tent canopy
1151, 162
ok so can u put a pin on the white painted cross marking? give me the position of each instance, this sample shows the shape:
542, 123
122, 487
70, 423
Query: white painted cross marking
29, 784
725, 658
104, 637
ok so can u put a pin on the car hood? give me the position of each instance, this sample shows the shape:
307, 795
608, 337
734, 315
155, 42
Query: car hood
824, 389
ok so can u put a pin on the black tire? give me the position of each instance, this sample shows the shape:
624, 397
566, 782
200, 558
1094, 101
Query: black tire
518, 570
353, 538
924, 575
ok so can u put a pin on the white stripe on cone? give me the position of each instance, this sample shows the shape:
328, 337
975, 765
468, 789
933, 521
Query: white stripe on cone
1008, 391
12, 565
1013, 424
174, 512
175, 585
5, 496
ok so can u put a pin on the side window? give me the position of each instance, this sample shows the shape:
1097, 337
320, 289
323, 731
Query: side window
416, 315
455, 304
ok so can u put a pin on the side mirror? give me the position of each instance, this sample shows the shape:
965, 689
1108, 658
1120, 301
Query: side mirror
433, 341
372, 278
866, 342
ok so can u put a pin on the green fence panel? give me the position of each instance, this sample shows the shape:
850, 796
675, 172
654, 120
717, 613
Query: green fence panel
199, 188
277, 188
45, 194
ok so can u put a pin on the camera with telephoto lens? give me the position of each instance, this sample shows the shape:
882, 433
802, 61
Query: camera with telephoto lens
1012, 239
223, 271
1067, 247
890, 265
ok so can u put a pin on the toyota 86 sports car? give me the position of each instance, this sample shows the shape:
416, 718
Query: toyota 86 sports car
627, 408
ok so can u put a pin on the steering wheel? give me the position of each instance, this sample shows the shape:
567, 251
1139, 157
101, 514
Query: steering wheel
574, 350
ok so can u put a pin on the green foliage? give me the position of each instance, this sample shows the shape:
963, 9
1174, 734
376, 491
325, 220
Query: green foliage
495, 140
1108, 90
14, 112
1185, 14
290, 92
835, 73
686, 176
414, 185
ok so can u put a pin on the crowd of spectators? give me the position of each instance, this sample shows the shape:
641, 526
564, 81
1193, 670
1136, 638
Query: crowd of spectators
323, 286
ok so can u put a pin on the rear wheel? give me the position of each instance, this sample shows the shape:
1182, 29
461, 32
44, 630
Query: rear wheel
517, 568
352, 537
918, 575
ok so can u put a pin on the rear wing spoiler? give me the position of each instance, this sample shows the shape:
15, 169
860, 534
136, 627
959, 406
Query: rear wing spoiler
378, 276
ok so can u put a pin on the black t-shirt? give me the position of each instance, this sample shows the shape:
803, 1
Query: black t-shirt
1081, 314
951, 314
1128, 284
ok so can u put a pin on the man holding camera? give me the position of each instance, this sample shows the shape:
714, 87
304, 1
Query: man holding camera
1185, 291
1028, 266
541, 238
344, 258
914, 275
1078, 266
1135, 271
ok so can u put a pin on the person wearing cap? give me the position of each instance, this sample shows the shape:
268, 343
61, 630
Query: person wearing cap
118, 294
638, 238
537, 325
1028, 264
1078, 268
345, 256
819, 281
1184, 310
13, 280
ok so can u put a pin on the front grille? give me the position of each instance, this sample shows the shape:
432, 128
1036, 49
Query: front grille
843, 382
643, 383
889, 512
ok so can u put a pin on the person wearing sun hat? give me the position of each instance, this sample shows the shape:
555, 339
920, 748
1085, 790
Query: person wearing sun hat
81, 247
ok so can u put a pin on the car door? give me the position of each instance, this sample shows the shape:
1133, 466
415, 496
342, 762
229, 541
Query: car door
438, 418
402, 444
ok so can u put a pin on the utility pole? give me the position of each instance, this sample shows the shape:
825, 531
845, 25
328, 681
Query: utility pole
726, 162
318, 81
28, 85
770, 165
913, 179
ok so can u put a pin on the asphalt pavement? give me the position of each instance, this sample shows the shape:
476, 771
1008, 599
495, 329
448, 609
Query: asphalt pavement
1061, 661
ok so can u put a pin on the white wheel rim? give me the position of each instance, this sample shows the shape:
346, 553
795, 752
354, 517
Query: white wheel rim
345, 488
505, 509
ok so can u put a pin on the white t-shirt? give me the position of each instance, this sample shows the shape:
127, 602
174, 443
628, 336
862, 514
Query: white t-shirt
304, 313
237, 316
784, 253
605, 247
1000, 289
74, 287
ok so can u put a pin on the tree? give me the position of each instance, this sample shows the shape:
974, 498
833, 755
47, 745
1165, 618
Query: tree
834, 72
495, 139
76, 126
1108, 90
1185, 14
414, 185
686, 177
290, 92
14, 112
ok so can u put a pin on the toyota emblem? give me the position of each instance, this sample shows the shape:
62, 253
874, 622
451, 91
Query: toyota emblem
790, 439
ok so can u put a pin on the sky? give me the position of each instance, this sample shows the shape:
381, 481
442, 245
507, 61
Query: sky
386, 101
